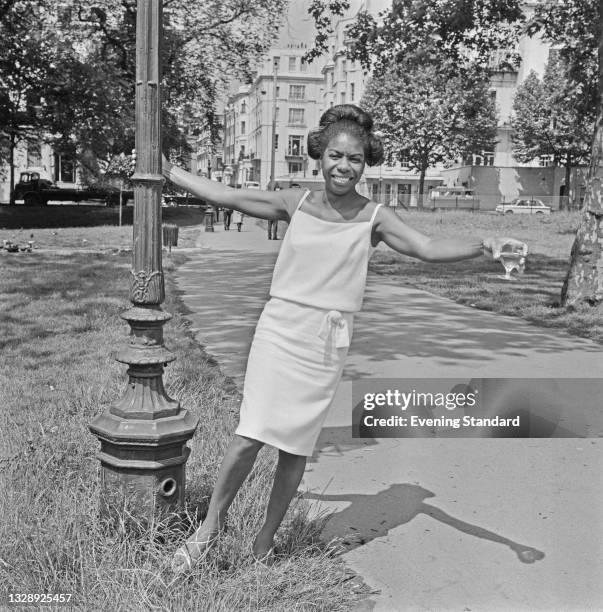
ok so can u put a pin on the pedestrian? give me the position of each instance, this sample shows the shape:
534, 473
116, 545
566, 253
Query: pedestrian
273, 223
227, 218
238, 217
303, 334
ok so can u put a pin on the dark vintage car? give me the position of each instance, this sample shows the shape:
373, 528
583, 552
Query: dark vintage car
37, 190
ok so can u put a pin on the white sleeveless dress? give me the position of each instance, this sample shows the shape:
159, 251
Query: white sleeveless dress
303, 335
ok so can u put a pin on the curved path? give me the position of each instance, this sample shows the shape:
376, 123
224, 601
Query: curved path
441, 523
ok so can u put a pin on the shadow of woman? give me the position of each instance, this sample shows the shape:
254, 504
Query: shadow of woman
372, 516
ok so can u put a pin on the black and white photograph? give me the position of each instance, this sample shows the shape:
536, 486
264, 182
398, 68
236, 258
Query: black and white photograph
301, 305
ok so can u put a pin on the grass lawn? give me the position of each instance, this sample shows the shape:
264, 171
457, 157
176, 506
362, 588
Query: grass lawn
533, 296
59, 324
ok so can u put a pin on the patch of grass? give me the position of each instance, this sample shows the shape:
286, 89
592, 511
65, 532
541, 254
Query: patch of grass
534, 296
60, 326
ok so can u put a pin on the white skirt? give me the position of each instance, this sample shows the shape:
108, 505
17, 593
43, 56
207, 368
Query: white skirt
294, 366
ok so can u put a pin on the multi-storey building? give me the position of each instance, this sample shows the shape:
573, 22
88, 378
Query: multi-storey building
207, 158
287, 90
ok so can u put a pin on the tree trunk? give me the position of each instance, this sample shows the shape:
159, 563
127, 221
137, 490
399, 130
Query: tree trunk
11, 161
584, 280
421, 187
568, 190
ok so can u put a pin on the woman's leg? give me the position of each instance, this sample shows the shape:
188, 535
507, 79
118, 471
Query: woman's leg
236, 465
289, 472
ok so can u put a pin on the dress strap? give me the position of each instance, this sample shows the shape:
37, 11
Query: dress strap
375, 214
302, 200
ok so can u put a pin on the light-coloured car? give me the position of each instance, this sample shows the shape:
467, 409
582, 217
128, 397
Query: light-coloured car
528, 206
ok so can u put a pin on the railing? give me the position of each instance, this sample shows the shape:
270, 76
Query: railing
482, 202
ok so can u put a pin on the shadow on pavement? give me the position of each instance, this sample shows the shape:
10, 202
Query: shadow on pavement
373, 516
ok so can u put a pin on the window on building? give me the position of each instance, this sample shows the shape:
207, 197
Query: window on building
388, 194
296, 116
342, 97
303, 65
243, 127
343, 67
64, 167
546, 160
276, 63
332, 79
296, 145
297, 92
352, 92
404, 161
243, 107
403, 197
292, 63
242, 152
295, 167
278, 91
375, 191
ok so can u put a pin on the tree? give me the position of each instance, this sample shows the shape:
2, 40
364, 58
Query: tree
468, 33
24, 63
576, 27
549, 120
428, 117
84, 93
205, 45
573, 26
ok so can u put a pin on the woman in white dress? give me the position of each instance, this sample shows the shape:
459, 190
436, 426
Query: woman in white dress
302, 337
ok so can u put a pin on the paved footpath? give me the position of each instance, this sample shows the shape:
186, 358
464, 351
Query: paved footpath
440, 523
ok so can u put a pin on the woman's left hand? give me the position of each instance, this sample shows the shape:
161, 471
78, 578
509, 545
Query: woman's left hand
497, 244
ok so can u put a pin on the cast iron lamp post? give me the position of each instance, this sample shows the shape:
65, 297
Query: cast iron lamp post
144, 434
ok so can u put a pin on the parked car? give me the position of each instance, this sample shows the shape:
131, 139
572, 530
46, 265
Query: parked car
528, 206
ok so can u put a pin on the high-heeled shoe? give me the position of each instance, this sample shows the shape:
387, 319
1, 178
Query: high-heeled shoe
268, 559
192, 552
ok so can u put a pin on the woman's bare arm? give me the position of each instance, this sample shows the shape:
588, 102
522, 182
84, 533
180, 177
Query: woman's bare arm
253, 202
404, 239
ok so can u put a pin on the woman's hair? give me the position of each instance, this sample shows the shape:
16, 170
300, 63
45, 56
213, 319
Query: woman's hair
351, 120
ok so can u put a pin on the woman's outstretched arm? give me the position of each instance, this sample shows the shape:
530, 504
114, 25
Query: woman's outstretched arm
404, 239
253, 202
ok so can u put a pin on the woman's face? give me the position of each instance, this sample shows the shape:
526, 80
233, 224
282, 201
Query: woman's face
342, 163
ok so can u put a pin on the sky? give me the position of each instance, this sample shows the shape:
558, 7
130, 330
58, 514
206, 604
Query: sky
298, 25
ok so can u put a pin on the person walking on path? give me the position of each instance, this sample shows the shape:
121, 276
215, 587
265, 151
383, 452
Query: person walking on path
227, 218
303, 334
238, 217
273, 223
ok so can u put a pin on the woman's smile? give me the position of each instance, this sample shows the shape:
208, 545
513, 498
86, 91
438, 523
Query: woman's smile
343, 163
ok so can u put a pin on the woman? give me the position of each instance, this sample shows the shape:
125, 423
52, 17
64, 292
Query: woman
302, 337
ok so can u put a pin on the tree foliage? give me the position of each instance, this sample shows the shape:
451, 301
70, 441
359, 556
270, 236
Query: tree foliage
471, 32
574, 27
26, 58
548, 118
87, 91
427, 117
